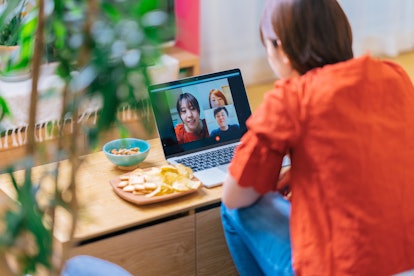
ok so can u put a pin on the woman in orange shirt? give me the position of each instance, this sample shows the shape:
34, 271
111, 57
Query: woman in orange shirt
193, 127
216, 98
348, 126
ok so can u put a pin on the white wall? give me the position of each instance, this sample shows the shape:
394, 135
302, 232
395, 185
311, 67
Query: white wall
230, 33
230, 39
381, 27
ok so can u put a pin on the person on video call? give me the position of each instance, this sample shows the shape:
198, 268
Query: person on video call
192, 127
216, 98
348, 125
224, 131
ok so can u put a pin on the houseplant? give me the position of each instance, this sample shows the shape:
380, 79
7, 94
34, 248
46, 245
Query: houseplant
102, 49
12, 15
9, 31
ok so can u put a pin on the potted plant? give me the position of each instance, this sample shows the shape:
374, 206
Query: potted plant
9, 32
12, 15
103, 49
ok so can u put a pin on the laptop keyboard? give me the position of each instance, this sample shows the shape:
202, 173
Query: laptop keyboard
209, 159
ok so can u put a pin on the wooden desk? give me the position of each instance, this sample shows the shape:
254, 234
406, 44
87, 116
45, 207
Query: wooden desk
182, 236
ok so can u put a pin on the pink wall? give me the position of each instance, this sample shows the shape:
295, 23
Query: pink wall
188, 25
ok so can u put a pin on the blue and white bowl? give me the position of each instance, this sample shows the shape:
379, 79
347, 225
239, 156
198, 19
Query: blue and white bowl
130, 161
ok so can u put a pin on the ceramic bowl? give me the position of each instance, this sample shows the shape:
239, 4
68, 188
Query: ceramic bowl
126, 161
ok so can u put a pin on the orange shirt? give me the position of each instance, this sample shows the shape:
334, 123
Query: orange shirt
349, 128
185, 137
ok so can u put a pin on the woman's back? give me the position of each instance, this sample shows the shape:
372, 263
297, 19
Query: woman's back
348, 125
352, 173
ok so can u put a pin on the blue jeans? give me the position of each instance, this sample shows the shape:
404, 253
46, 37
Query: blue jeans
84, 265
258, 236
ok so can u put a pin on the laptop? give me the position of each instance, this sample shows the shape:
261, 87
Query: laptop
190, 121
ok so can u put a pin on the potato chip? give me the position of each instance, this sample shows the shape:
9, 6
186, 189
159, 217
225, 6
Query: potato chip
180, 186
155, 192
170, 177
184, 170
169, 168
159, 181
193, 184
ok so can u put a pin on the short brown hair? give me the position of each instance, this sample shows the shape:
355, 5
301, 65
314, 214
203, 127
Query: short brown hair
313, 33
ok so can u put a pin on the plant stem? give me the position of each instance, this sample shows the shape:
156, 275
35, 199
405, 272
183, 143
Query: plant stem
37, 57
93, 8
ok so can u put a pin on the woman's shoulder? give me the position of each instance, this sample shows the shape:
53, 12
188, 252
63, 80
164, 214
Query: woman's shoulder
327, 78
179, 131
179, 128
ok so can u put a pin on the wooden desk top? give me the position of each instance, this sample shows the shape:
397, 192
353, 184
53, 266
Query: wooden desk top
103, 212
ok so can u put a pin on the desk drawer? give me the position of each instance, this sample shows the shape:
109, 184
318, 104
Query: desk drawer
163, 249
213, 257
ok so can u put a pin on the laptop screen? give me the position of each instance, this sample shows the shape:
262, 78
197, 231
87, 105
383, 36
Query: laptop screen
200, 112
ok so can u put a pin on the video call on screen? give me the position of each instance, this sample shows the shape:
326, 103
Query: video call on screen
230, 111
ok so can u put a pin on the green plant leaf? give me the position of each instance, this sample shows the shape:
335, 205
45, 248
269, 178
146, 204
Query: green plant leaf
4, 109
105, 55
11, 19
111, 11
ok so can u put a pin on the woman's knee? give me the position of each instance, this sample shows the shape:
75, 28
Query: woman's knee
226, 220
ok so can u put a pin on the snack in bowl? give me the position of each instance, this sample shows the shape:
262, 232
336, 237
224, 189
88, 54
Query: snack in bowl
126, 153
159, 181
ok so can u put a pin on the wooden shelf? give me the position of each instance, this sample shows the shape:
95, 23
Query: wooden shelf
187, 61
